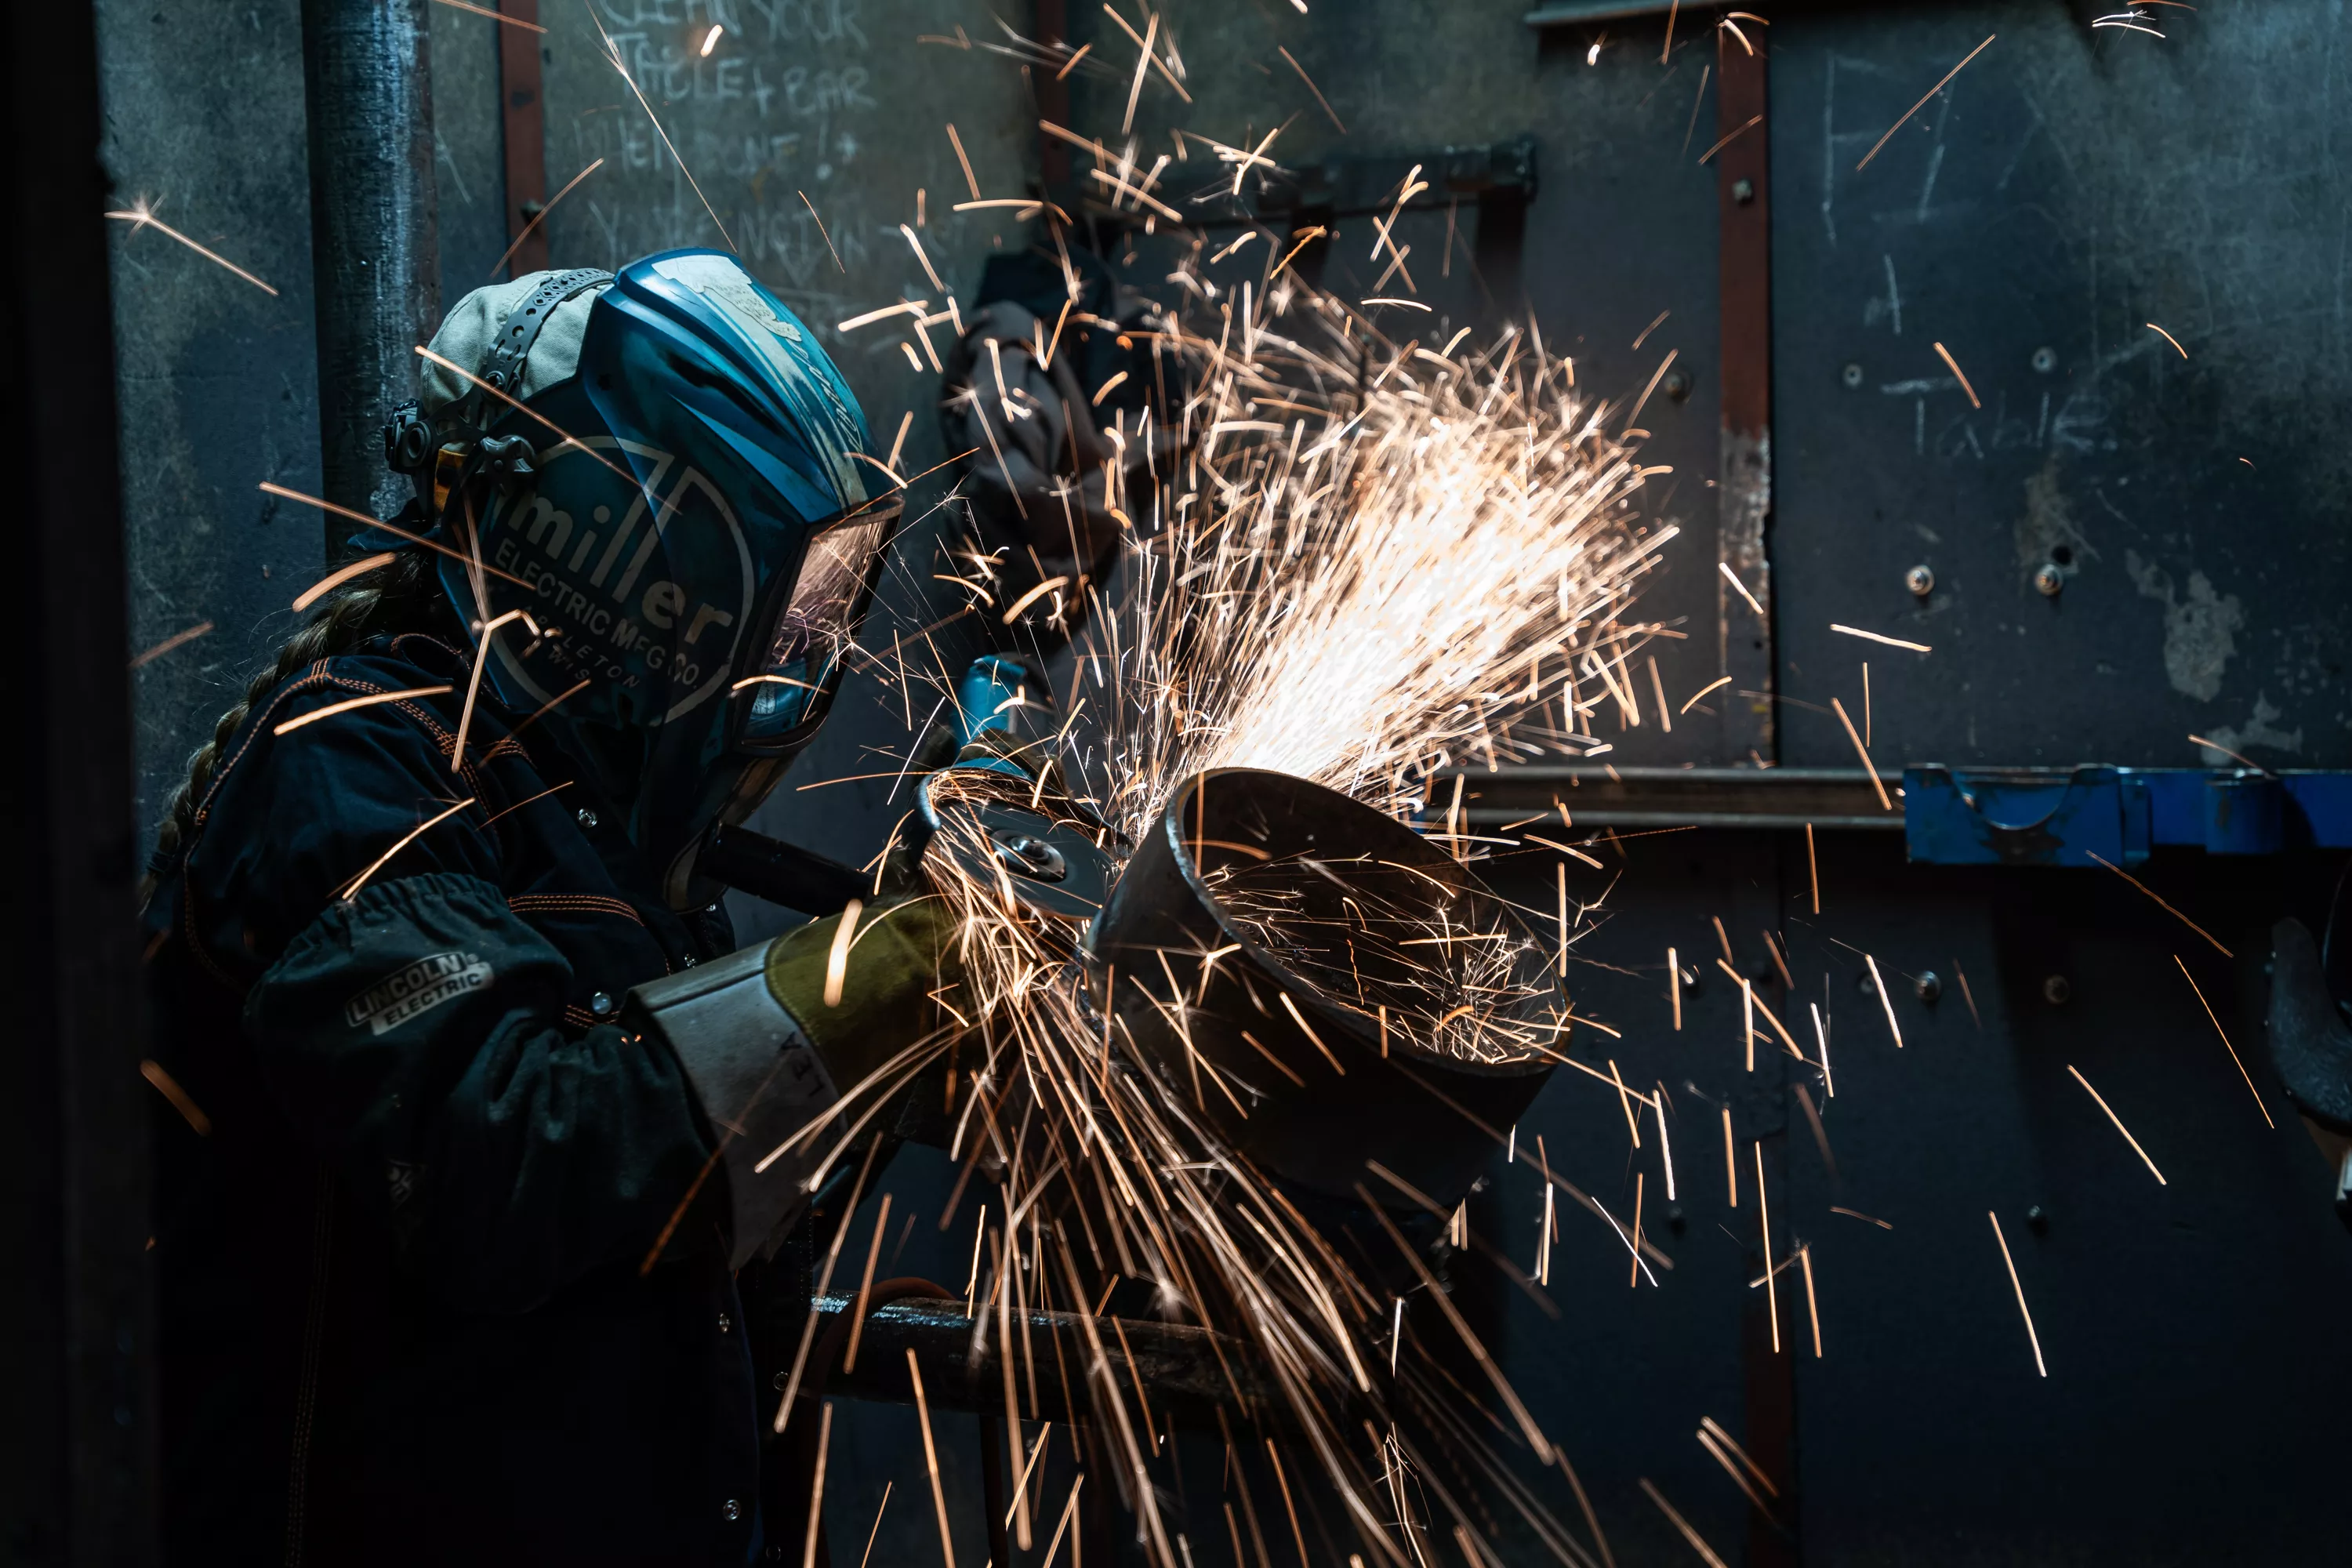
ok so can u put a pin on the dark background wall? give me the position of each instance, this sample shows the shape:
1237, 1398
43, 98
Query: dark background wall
2074, 185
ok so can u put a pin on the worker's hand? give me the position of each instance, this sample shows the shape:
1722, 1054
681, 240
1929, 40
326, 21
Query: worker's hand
866, 984
1028, 754
855, 996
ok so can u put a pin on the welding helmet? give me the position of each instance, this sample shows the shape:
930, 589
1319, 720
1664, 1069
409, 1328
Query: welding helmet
667, 523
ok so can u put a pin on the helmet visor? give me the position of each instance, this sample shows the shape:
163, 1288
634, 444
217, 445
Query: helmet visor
790, 683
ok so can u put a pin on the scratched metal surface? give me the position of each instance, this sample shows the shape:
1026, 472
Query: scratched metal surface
2070, 186
217, 379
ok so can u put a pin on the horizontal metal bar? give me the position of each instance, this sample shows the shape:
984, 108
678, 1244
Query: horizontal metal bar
1975, 816
1567, 12
1675, 797
1185, 1373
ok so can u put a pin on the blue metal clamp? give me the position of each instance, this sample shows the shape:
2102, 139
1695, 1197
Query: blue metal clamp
2065, 816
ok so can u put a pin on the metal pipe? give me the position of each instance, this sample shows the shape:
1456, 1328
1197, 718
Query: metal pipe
1186, 1373
374, 245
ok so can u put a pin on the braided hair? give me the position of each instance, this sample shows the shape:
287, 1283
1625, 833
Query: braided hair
403, 594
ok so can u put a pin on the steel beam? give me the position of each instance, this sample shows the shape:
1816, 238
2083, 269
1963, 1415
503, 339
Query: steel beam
1181, 1372
374, 242
77, 1400
1679, 797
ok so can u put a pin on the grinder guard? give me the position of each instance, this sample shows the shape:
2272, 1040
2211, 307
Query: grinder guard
1322, 1087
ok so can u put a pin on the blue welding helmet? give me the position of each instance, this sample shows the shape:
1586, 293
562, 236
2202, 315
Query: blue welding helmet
699, 522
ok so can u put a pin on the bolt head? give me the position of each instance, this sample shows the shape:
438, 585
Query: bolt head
1678, 385
1920, 580
2055, 990
1928, 986
2049, 580
2039, 1219
1743, 191
1851, 376
2045, 360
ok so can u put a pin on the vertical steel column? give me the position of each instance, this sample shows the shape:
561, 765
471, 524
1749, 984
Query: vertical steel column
1743, 181
77, 1405
374, 246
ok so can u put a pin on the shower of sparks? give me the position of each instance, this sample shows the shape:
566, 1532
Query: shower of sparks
2225, 1039
1717, 684
1878, 637
2118, 1121
1884, 1001
2159, 903
931, 1458
1812, 1305
962, 159
2239, 757
1962, 375
139, 217
334, 580
1738, 587
2015, 1284
1862, 751
878, 1524
1922, 103
1352, 558
825, 1422
498, 15
331, 709
169, 1087
176, 640
351, 889
612, 54
1730, 137
1293, 62
1698, 1543
821, 231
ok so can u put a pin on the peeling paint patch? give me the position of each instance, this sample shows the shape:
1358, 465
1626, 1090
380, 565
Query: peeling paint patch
2047, 533
2257, 732
2197, 630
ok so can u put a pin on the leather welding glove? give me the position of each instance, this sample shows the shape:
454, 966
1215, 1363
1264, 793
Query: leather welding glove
770, 1043
902, 954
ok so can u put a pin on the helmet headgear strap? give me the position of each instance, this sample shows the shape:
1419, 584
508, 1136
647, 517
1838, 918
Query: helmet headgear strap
408, 443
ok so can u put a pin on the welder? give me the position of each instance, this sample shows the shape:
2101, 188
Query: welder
446, 1246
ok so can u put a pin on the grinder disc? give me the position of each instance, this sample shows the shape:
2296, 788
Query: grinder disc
1041, 849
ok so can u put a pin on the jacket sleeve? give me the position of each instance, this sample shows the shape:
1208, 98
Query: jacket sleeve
413, 1033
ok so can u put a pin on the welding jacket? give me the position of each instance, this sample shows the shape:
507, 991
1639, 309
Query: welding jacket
440, 1250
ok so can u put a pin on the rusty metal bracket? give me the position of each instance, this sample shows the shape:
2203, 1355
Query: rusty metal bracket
522, 114
1744, 499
